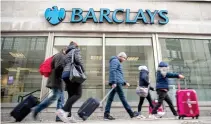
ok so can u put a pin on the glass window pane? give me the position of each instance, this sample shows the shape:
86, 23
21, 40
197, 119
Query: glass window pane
192, 58
33, 43
139, 52
40, 44
91, 51
19, 68
8, 43
2, 41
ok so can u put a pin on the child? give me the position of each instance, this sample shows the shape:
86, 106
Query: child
144, 82
162, 88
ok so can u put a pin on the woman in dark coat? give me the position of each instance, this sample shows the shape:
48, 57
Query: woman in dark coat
74, 89
144, 82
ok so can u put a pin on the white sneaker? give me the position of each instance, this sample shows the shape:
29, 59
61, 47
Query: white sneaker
176, 117
72, 119
62, 115
151, 116
160, 114
141, 117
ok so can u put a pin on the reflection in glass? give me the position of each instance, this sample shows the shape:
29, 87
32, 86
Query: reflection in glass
139, 52
19, 67
192, 58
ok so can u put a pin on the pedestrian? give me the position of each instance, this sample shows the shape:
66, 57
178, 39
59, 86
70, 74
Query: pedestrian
74, 89
117, 81
144, 82
162, 88
55, 83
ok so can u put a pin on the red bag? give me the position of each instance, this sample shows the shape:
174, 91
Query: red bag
45, 67
160, 110
187, 103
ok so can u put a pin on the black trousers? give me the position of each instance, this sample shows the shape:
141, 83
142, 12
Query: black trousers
163, 95
141, 101
74, 91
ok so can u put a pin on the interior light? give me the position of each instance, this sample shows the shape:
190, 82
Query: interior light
132, 58
17, 55
96, 57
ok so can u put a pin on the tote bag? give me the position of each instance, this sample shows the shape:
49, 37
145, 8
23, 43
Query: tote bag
76, 73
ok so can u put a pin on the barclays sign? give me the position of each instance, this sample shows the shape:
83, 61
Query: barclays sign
55, 16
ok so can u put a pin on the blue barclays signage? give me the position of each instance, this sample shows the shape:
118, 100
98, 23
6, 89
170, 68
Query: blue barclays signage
54, 16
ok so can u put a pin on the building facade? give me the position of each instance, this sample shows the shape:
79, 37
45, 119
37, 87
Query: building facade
149, 32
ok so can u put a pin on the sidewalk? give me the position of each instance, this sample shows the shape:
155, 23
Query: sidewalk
202, 120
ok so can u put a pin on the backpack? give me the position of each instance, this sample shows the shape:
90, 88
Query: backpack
45, 67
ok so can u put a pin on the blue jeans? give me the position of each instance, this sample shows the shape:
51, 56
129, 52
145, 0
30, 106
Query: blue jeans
60, 103
58, 94
119, 91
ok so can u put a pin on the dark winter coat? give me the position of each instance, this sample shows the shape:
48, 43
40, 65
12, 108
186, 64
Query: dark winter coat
55, 80
144, 79
115, 71
163, 82
68, 60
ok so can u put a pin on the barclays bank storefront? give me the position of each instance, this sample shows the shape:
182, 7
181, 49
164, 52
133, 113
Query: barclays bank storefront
149, 32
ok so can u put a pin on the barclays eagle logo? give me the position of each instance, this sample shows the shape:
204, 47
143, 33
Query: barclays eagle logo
55, 16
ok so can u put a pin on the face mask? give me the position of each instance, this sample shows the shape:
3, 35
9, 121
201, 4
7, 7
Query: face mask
164, 71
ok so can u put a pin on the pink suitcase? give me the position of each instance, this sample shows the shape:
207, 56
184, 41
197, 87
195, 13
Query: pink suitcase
187, 103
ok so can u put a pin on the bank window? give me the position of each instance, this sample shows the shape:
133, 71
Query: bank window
139, 52
192, 58
16, 43
33, 43
40, 44
8, 43
2, 40
19, 68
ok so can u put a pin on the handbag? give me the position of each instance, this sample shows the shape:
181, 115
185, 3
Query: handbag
142, 91
76, 73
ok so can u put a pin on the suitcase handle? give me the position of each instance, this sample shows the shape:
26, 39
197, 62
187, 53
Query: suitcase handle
179, 86
106, 96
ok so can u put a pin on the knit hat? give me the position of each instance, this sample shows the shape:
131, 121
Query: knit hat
163, 64
122, 54
142, 68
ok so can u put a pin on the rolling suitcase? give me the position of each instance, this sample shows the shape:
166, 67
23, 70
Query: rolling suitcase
187, 103
89, 106
24, 108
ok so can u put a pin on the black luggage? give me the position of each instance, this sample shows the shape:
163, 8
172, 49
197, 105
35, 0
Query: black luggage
89, 106
24, 108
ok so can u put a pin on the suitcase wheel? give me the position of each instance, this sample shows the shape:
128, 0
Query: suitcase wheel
197, 117
181, 117
192, 117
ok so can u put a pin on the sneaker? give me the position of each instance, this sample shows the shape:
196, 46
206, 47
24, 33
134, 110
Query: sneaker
72, 119
58, 119
152, 116
160, 114
62, 115
134, 114
141, 117
176, 117
108, 117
